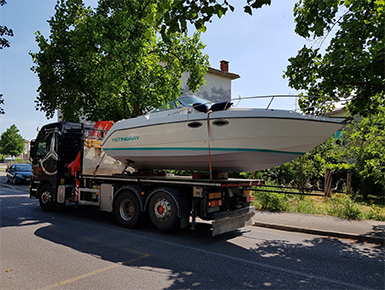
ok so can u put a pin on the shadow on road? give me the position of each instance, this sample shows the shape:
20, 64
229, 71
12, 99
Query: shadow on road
314, 263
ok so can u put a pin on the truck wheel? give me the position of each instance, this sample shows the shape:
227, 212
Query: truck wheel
127, 210
163, 210
14, 182
46, 199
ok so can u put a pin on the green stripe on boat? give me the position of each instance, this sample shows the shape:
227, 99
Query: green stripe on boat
201, 149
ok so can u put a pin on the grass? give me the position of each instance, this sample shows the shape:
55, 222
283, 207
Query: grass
339, 205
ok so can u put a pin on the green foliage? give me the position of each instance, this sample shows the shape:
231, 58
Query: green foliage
366, 146
1, 103
342, 206
2, 158
4, 31
109, 63
177, 13
309, 206
339, 205
11, 142
353, 63
375, 214
270, 201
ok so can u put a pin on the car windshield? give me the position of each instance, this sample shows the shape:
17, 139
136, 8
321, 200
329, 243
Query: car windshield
182, 102
23, 167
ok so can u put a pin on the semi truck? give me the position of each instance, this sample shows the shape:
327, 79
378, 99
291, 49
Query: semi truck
70, 167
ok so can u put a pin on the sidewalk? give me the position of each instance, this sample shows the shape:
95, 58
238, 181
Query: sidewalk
362, 230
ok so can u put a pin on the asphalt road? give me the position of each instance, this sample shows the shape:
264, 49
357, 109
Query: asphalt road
83, 248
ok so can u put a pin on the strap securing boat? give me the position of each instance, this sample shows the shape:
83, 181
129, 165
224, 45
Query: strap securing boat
208, 141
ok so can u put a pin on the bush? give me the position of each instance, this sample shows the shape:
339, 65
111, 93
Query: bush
342, 206
271, 201
306, 205
375, 214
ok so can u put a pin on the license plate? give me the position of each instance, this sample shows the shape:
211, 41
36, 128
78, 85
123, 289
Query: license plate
213, 209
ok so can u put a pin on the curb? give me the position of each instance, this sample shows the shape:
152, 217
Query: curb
361, 238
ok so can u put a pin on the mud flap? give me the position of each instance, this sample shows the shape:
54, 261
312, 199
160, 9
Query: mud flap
228, 221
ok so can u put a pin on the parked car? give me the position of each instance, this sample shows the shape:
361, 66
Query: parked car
19, 173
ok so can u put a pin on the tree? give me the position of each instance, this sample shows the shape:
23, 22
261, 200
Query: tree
1, 103
11, 142
4, 30
352, 67
110, 63
177, 13
366, 146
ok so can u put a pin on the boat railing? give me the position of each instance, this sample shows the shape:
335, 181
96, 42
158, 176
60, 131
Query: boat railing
236, 102
327, 102
271, 97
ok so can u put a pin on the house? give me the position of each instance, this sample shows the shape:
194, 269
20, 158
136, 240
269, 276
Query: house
25, 154
218, 84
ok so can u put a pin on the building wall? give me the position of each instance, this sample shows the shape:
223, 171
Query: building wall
216, 89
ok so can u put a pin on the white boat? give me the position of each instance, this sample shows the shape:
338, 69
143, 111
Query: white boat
185, 134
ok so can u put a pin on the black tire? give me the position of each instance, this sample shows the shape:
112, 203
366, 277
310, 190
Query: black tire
46, 198
14, 181
127, 210
163, 210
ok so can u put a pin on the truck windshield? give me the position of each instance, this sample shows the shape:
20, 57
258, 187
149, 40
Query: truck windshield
43, 146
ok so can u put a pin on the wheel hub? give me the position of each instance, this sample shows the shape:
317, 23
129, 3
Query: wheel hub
127, 210
162, 209
45, 197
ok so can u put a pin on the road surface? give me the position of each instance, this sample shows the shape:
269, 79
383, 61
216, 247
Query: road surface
83, 248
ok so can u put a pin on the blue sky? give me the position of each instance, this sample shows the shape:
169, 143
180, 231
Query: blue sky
258, 48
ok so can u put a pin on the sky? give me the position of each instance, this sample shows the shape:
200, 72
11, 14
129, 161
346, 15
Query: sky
258, 48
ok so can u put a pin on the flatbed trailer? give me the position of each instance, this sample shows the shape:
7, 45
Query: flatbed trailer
168, 201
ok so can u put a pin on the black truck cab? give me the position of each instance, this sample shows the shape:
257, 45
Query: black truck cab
55, 146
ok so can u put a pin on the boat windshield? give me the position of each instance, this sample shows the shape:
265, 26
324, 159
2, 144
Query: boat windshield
181, 102
191, 100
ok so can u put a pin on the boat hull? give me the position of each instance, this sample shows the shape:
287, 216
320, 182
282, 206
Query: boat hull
229, 143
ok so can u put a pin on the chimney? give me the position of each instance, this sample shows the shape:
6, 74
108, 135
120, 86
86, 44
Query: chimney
224, 65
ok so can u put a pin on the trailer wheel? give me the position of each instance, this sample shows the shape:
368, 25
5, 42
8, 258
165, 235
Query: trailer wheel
127, 210
46, 199
163, 210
